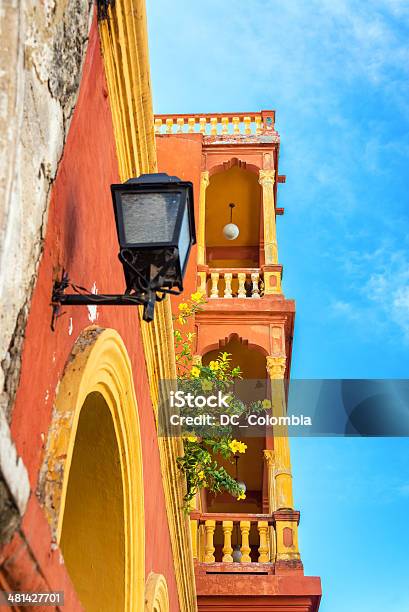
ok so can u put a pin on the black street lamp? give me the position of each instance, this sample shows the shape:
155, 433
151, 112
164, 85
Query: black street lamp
154, 217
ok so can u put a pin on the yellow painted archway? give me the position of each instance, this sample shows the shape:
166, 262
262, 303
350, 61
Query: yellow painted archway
93, 486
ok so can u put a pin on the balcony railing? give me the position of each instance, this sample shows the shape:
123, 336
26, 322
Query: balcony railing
224, 527
216, 124
228, 283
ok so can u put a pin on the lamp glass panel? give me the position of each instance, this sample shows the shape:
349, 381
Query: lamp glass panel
184, 239
150, 217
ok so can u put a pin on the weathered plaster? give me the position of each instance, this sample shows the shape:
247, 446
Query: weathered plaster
14, 484
42, 46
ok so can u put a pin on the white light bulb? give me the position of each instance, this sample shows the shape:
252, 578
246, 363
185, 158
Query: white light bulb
231, 231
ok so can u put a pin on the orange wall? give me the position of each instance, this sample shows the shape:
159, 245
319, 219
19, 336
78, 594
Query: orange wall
81, 238
181, 156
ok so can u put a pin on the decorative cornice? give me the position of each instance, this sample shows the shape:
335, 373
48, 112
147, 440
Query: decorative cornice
125, 51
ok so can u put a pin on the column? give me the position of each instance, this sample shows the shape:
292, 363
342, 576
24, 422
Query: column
286, 519
266, 180
282, 464
204, 182
272, 504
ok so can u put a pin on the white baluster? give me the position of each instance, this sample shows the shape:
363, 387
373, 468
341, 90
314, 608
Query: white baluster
181, 122
257, 121
247, 125
169, 126
215, 285
225, 125
202, 123
254, 279
236, 125
213, 126
242, 281
191, 123
158, 126
227, 284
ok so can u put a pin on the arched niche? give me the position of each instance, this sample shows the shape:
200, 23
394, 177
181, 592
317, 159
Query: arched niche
235, 183
252, 362
93, 480
250, 358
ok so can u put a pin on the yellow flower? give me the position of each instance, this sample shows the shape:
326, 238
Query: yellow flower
201, 475
237, 447
183, 307
192, 438
206, 385
190, 336
266, 404
196, 297
181, 320
241, 495
214, 365
195, 372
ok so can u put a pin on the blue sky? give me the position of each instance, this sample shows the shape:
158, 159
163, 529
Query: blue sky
337, 74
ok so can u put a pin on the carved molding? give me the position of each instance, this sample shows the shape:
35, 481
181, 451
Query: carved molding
276, 367
266, 177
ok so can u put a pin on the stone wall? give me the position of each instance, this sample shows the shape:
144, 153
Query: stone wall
42, 47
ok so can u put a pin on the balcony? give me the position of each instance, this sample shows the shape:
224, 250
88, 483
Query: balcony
257, 582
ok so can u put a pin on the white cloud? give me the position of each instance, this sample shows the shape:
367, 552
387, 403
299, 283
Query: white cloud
379, 283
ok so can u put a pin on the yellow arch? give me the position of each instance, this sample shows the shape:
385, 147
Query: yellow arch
156, 594
100, 364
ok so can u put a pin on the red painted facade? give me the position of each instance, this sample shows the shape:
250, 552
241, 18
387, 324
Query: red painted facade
80, 238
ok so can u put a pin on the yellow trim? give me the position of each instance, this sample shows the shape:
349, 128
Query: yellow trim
201, 249
266, 180
125, 52
124, 41
100, 363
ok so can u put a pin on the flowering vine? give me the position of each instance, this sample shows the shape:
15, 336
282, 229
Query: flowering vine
203, 453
